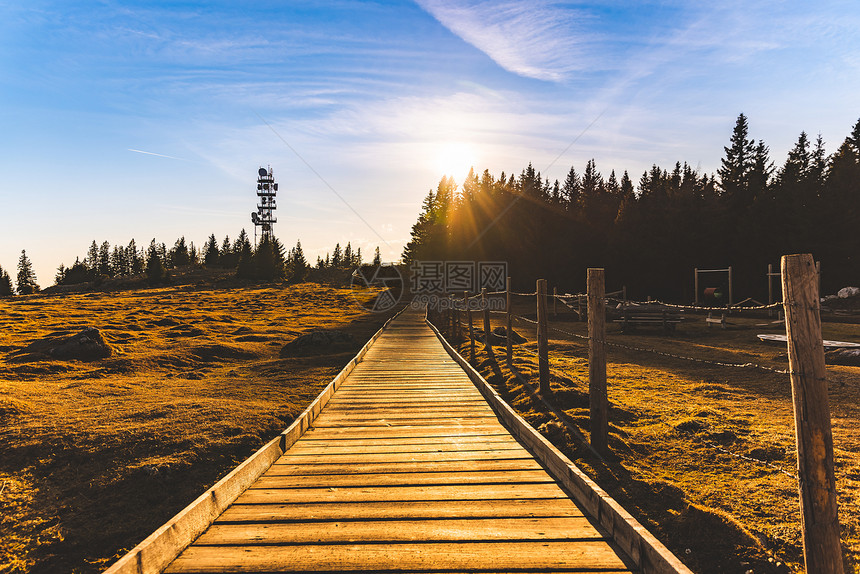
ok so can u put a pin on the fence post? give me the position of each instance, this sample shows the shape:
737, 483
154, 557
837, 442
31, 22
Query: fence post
471, 329
457, 328
817, 483
488, 331
598, 403
555, 302
509, 348
543, 352
695, 286
731, 299
452, 313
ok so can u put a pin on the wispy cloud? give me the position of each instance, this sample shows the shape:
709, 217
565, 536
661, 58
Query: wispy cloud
534, 39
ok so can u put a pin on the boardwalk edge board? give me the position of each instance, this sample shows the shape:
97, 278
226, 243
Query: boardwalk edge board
648, 553
161, 547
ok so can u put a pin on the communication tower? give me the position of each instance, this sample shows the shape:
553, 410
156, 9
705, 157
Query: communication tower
266, 191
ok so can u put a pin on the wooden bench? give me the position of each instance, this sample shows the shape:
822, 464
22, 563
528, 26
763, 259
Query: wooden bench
649, 316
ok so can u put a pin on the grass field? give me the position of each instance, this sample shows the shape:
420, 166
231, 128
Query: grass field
96, 455
683, 434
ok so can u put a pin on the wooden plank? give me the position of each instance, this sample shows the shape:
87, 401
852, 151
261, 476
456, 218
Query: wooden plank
483, 529
293, 458
587, 554
546, 488
384, 432
399, 479
519, 463
452, 443
360, 423
403, 510
358, 418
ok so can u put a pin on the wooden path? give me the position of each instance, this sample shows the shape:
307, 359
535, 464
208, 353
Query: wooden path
407, 469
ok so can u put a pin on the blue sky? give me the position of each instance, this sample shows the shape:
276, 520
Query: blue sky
370, 103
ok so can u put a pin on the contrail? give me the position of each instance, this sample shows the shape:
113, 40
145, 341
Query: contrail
157, 154
322, 179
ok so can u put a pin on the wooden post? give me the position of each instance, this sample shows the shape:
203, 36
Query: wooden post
451, 316
770, 283
457, 329
555, 302
509, 345
818, 276
471, 329
695, 286
543, 351
817, 484
731, 300
599, 405
488, 329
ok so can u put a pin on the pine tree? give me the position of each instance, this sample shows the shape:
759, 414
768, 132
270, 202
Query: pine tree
156, 273
336, 257
227, 259
268, 260
818, 165
298, 264
179, 255
193, 255
211, 255
92, 258
135, 261
737, 165
377, 257
104, 260
118, 262
571, 190
6, 289
348, 255
761, 172
26, 276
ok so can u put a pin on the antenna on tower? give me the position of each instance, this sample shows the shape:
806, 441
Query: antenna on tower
263, 217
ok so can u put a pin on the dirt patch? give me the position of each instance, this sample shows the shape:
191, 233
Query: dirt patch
318, 341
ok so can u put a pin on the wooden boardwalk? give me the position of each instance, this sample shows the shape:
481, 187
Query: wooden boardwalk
406, 469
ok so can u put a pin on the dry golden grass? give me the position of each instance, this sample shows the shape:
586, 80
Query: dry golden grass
677, 429
96, 455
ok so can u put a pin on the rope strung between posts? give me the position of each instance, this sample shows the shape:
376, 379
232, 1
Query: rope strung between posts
664, 354
572, 377
697, 307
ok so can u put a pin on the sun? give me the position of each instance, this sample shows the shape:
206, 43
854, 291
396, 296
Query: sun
455, 159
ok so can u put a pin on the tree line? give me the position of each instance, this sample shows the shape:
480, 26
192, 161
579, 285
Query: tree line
268, 261
652, 234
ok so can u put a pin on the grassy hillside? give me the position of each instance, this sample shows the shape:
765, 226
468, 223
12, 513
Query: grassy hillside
95, 455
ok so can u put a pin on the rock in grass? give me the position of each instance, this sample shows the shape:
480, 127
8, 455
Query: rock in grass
500, 332
88, 345
318, 341
850, 357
